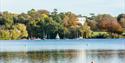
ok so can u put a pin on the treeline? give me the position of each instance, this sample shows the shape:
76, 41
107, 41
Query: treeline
42, 23
113, 26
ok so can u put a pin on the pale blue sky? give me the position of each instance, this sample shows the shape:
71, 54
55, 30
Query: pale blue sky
84, 7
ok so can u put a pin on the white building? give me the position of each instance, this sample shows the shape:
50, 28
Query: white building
81, 19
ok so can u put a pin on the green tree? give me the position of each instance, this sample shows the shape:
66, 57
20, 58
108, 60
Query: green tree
121, 20
22, 29
4, 34
7, 19
22, 18
36, 24
15, 34
85, 31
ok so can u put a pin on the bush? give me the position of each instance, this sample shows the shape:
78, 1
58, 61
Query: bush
115, 35
100, 35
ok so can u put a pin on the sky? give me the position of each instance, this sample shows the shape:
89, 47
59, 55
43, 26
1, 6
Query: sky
84, 7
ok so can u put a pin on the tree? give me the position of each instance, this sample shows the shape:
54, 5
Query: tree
43, 12
22, 18
1, 19
55, 11
121, 20
42, 23
108, 23
36, 25
85, 31
22, 29
57, 17
70, 19
4, 34
93, 25
15, 34
63, 32
52, 29
31, 12
18, 31
7, 19
115, 27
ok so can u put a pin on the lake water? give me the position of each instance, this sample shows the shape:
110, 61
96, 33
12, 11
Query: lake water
63, 51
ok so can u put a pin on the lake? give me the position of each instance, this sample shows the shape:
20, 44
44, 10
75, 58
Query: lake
63, 51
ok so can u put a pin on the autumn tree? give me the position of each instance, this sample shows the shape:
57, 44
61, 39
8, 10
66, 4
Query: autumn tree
92, 24
108, 23
70, 21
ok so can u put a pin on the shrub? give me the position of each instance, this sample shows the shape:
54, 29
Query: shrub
100, 35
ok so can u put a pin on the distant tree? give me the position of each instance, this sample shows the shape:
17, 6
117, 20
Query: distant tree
92, 24
108, 23
63, 32
31, 12
55, 16
4, 34
22, 29
1, 20
42, 23
0, 13
37, 23
43, 12
121, 20
55, 11
52, 29
85, 31
7, 19
22, 18
18, 31
92, 16
65, 21
15, 34
115, 27
71, 19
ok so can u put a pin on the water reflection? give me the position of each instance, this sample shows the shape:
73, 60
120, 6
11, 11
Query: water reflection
64, 56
